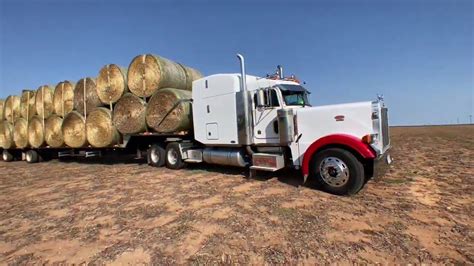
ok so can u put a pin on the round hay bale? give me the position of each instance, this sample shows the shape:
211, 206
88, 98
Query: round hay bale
27, 104
2, 106
44, 107
11, 110
92, 99
147, 73
74, 130
6, 135
53, 134
36, 132
20, 133
129, 114
167, 111
191, 75
111, 83
63, 98
100, 130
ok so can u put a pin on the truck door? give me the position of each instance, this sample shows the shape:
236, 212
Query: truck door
265, 117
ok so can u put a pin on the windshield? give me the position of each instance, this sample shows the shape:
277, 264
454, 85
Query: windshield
295, 97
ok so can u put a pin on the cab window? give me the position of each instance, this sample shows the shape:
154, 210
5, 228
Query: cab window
271, 97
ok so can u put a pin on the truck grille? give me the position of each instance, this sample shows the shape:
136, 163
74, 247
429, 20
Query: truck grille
385, 130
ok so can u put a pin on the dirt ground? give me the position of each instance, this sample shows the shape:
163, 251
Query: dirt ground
130, 213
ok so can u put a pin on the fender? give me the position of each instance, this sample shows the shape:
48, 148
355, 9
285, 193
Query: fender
341, 139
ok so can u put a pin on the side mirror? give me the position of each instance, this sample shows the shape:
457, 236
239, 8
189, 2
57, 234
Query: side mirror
261, 98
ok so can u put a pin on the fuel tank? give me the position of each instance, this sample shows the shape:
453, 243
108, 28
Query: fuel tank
222, 156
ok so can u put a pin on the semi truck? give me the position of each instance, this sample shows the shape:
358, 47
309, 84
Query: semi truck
262, 124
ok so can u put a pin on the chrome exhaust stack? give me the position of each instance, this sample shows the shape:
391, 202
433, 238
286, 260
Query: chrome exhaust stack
243, 85
247, 116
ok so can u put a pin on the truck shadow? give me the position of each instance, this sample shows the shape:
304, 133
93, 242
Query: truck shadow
109, 159
287, 176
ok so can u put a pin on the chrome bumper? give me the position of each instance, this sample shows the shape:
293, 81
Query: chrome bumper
381, 164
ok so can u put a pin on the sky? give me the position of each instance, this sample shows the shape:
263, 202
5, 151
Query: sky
418, 54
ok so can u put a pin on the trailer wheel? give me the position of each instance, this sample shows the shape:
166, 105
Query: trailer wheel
7, 156
156, 156
338, 171
173, 157
32, 156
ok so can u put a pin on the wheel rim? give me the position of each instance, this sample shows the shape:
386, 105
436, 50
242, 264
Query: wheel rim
28, 156
334, 171
172, 157
5, 156
155, 156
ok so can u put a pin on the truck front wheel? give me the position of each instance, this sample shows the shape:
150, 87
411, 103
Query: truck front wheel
156, 156
338, 171
173, 157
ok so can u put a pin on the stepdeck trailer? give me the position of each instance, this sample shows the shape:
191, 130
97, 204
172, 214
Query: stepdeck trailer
265, 124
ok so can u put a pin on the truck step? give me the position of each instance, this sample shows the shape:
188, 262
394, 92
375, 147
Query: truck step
267, 161
260, 168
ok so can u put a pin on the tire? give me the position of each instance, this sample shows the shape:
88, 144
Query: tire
7, 156
156, 156
338, 171
32, 156
173, 157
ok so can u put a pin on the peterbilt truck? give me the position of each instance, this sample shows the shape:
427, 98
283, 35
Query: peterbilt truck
267, 124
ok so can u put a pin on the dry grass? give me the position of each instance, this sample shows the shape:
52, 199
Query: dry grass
75, 212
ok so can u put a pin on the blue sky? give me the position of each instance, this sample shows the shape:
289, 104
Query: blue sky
418, 54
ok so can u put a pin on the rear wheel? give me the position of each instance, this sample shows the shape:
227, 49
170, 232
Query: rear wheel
173, 156
156, 156
7, 156
32, 156
338, 171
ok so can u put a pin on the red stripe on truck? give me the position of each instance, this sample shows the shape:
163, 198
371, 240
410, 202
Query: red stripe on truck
337, 139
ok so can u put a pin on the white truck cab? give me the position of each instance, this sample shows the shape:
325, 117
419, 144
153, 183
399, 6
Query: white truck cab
268, 124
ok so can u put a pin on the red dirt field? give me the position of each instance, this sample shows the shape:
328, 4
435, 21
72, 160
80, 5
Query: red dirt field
130, 213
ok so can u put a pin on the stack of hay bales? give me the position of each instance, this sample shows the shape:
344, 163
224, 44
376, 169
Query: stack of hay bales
63, 103
159, 98
111, 86
27, 111
151, 95
74, 123
11, 112
44, 109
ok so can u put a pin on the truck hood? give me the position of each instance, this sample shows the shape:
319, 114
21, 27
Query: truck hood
320, 121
